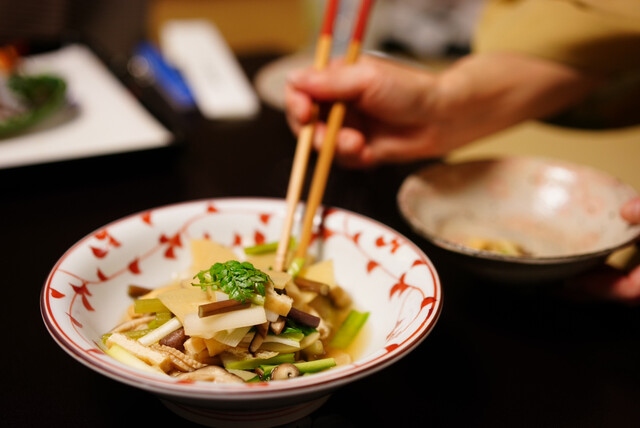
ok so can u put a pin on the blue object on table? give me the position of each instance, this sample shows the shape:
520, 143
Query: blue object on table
152, 66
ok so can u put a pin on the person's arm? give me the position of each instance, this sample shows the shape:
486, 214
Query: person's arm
398, 113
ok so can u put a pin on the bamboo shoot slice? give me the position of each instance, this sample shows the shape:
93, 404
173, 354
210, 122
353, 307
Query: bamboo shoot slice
209, 326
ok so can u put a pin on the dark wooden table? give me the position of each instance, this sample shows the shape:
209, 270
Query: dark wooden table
499, 356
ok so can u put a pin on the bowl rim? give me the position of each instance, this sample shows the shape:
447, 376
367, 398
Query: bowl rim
324, 382
455, 247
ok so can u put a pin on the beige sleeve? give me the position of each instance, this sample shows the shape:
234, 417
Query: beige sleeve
592, 35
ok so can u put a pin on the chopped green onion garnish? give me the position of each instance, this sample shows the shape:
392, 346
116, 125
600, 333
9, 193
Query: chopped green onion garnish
240, 280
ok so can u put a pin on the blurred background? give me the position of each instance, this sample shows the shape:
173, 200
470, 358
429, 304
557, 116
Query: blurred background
430, 33
423, 28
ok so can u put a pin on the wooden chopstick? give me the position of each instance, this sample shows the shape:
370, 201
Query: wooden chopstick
334, 123
305, 138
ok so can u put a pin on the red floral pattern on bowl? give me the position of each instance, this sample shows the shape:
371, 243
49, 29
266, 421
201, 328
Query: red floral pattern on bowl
85, 295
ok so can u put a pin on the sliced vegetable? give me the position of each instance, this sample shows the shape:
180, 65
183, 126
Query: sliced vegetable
250, 364
272, 338
291, 334
155, 335
214, 347
322, 271
293, 341
206, 252
126, 357
194, 345
270, 247
294, 327
304, 367
310, 339
279, 279
316, 365
207, 327
183, 301
142, 352
349, 329
295, 266
233, 337
145, 306
161, 318
279, 347
133, 334
246, 375
314, 348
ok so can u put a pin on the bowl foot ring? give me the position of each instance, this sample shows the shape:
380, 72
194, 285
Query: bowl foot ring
233, 418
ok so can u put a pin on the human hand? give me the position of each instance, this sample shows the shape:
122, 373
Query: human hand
387, 109
609, 283
397, 113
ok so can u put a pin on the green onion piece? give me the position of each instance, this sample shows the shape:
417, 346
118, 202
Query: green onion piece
304, 366
267, 369
349, 329
270, 247
145, 306
257, 299
257, 362
161, 318
315, 365
133, 334
296, 266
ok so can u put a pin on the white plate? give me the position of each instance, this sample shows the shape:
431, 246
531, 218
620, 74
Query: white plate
104, 119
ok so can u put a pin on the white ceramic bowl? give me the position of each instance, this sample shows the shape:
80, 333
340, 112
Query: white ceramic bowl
86, 294
565, 215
